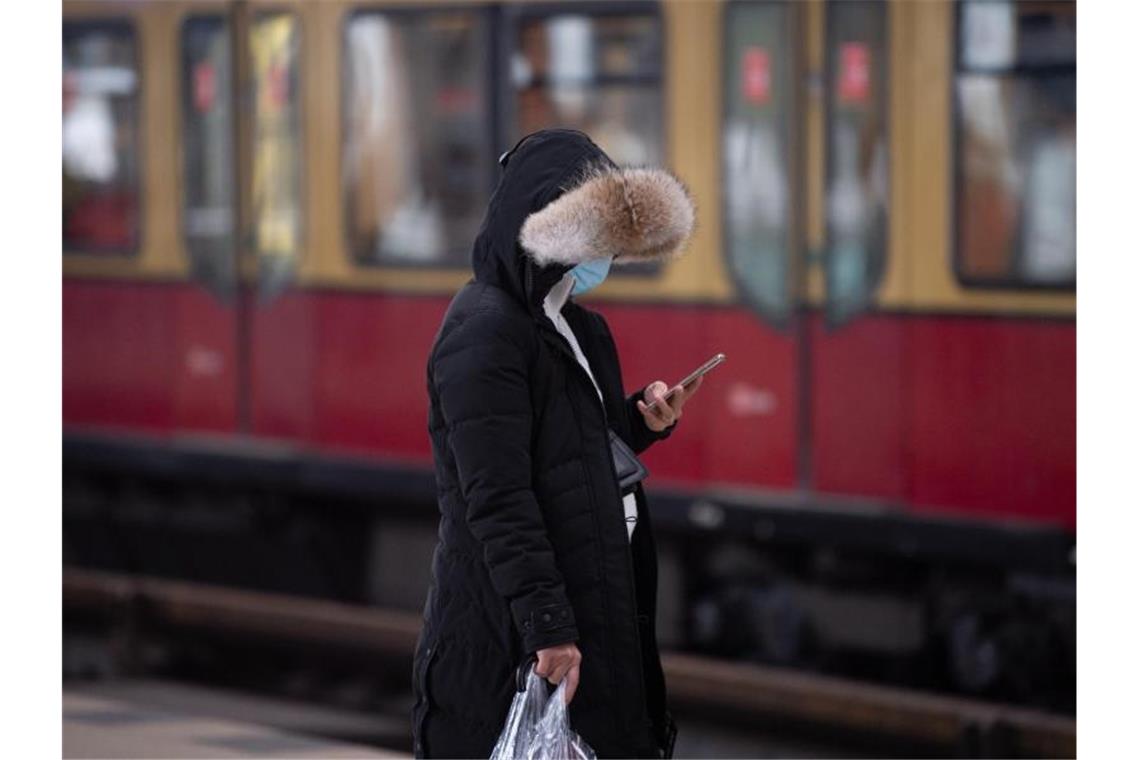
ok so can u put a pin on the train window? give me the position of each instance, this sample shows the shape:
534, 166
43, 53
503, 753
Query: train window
857, 150
417, 153
100, 137
274, 47
1015, 98
597, 72
207, 149
756, 153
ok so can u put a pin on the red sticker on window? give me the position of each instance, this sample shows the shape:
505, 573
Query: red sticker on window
277, 85
456, 100
69, 90
854, 72
205, 86
757, 75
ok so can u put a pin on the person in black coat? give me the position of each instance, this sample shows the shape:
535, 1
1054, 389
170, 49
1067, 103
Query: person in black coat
535, 553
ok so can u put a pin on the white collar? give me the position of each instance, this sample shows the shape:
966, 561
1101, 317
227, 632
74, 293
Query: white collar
558, 295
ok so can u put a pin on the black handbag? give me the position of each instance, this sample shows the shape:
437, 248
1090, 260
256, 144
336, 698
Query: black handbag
627, 467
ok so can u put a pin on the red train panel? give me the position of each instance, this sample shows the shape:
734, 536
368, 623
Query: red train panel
945, 413
994, 416
948, 413
282, 366
741, 427
370, 392
152, 357
859, 403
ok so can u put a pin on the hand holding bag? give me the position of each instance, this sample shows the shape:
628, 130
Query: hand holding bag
538, 726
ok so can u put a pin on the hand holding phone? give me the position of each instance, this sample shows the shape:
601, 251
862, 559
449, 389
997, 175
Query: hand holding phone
691, 378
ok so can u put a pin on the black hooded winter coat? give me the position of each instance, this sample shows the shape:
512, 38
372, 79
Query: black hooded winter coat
533, 549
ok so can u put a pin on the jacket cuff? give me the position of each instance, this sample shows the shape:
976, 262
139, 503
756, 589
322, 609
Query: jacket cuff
547, 626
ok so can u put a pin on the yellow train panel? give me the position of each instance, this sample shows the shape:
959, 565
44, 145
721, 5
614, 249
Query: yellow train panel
692, 112
816, 233
920, 274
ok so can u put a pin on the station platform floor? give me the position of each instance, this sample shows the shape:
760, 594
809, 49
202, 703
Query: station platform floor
156, 722
151, 718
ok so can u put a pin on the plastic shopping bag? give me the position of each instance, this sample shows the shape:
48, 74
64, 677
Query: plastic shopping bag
538, 726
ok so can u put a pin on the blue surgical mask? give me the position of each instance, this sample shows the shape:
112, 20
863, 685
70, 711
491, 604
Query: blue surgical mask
590, 274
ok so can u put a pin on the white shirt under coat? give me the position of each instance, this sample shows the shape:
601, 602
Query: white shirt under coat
552, 305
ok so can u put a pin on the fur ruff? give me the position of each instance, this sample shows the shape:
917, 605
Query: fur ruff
630, 214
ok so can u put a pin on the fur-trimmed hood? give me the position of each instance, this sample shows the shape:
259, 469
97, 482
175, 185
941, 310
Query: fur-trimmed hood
629, 214
562, 201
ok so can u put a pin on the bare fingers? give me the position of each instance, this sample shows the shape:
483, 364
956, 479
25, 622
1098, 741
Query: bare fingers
658, 413
571, 683
682, 394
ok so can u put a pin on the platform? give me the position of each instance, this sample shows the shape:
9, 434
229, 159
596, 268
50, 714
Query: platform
101, 726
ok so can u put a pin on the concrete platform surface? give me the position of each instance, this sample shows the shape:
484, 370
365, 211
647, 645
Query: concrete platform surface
96, 726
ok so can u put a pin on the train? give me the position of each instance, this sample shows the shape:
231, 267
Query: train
267, 206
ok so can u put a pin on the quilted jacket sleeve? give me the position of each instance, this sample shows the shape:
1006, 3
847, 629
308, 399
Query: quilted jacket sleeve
481, 379
642, 436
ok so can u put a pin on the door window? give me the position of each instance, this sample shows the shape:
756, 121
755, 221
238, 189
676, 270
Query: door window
417, 151
857, 155
274, 48
600, 73
756, 154
209, 194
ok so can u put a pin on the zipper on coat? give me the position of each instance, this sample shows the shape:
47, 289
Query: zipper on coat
564, 346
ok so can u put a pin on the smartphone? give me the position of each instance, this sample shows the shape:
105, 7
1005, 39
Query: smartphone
691, 378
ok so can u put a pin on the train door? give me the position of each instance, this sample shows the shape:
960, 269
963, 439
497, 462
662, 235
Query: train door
279, 321
241, 169
855, 369
241, 215
805, 165
210, 321
762, 144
